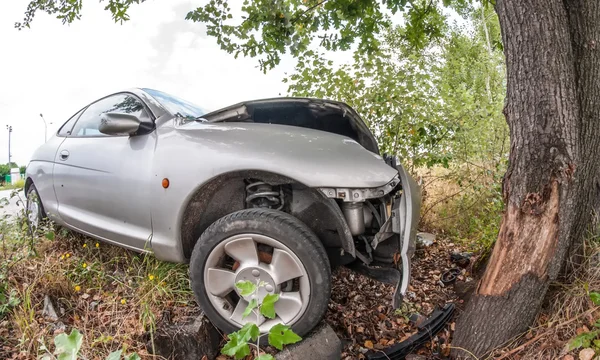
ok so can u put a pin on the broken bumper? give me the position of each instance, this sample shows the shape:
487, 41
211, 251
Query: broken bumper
427, 330
405, 218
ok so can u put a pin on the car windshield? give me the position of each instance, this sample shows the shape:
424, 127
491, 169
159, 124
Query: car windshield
176, 106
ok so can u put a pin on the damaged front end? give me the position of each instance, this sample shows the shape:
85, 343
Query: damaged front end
383, 222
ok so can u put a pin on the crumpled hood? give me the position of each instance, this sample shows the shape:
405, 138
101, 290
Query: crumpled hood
314, 158
318, 114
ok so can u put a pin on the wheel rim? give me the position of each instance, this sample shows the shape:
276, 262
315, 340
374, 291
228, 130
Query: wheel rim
281, 271
33, 210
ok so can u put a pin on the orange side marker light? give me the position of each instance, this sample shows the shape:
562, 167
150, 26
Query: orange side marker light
165, 183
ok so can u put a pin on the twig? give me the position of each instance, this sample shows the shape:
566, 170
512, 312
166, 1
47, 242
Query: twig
524, 345
307, 10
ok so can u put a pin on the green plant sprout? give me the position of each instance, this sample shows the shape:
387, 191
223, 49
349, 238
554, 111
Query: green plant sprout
66, 347
279, 335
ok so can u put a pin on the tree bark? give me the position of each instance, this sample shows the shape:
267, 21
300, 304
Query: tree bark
551, 185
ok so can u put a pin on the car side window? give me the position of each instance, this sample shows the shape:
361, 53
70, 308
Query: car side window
67, 126
90, 120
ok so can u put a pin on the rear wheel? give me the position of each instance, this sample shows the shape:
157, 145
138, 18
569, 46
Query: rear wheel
34, 209
262, 246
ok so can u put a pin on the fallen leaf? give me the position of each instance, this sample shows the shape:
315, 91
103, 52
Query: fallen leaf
586, 354
369, 344
568, 357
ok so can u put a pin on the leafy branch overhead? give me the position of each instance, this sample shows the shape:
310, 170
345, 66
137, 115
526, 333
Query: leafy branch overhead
70, 10
270, 28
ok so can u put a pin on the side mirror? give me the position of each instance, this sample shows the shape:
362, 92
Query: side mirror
119, 124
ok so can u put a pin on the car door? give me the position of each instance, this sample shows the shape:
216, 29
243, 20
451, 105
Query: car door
101, 181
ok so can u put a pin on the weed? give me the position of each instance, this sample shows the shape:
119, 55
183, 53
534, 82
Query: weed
238, 344
67, 347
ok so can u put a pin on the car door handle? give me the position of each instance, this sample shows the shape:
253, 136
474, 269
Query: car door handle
64, 155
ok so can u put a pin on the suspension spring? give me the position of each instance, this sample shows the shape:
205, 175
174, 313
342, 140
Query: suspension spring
262, 195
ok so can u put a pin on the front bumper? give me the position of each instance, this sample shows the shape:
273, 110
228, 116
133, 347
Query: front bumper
397, 237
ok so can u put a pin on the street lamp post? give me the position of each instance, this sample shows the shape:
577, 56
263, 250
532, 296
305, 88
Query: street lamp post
45, 128
9, 128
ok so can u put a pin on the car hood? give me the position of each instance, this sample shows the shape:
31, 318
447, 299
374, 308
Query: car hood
318, 114
314, 158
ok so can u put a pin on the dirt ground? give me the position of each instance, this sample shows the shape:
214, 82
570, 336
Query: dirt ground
361, 313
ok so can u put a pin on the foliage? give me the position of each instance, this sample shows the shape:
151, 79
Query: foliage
433, 104
279, 335
8, 297
70, 10
267, 29
4, 170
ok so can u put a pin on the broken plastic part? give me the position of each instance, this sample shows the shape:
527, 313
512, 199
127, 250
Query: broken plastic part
427, 330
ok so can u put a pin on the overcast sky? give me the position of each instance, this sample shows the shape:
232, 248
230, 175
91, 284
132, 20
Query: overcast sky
56, 69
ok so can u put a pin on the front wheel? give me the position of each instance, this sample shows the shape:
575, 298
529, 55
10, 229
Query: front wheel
266, 247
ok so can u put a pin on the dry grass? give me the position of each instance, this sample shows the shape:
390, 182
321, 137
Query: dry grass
112, 296
463, 204
568, 312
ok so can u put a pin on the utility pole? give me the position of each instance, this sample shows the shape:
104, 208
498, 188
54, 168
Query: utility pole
45, 128
9, 128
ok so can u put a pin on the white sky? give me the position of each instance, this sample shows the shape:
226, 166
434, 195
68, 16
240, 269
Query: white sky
57, 69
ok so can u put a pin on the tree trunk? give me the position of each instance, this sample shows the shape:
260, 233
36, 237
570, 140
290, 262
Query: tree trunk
551, 185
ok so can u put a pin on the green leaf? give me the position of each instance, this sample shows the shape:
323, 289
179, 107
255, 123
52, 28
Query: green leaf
249, 331
265, 357
267, 308
50, 235
280, 335
582, 340
595, 297
67, 347
251, 306
132, 356
237, 346
115, 355
246, 287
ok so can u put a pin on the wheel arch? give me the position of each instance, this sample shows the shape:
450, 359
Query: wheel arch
225, 193
28, 183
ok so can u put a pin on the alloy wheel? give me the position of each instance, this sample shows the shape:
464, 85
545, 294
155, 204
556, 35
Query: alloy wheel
261, 260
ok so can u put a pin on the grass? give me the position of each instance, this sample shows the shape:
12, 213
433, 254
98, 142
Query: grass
19, 184
113, 296
463, 204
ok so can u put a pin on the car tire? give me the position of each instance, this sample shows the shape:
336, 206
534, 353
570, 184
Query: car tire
292, 237
34, 210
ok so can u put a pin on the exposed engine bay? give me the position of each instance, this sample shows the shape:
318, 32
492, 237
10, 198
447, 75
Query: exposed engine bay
380, 222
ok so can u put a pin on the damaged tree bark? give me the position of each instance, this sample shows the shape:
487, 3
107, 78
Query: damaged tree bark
551, 185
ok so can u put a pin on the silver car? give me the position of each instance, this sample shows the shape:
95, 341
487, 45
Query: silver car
276, 191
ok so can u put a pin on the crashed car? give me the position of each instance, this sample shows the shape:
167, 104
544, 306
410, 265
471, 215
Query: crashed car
274, 191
